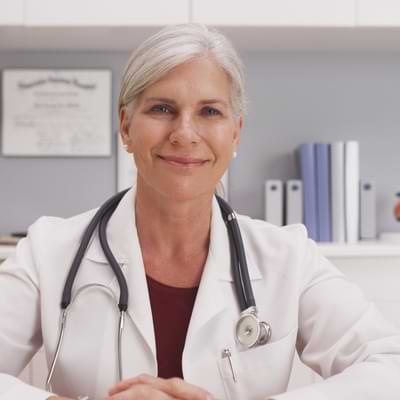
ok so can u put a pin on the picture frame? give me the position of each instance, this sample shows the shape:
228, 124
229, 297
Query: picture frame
56, 112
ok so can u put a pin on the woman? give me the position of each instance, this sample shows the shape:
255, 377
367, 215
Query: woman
181, 112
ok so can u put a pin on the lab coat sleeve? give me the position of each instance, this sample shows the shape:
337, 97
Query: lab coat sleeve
20, 328
13, 389
343, 338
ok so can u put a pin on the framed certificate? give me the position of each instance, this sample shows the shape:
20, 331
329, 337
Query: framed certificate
62, 112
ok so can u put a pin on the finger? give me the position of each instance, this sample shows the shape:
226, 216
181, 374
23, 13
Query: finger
142, 392
178, 388
127, 383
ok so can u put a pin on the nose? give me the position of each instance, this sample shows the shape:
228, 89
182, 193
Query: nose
184, 131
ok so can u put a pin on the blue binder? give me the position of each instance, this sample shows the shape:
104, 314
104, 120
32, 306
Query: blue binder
308, 176
323, 192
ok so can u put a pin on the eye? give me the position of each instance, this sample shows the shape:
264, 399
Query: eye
161, 108
210, 111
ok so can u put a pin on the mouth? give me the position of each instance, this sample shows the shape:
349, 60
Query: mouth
185, 162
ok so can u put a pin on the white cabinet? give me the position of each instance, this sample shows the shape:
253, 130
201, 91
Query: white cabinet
378, 13
105, 12
275, 12
11, 12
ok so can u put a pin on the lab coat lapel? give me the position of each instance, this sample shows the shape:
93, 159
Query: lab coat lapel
124, 243
210, 300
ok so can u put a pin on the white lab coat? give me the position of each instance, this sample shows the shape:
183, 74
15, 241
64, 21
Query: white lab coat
308, 302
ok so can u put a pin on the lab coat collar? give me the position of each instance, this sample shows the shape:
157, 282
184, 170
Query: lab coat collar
210, 300
121, 230
219, 252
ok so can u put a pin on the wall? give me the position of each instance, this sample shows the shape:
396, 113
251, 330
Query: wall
293, 97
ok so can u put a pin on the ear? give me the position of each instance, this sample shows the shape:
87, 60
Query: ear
238, 128
124, 120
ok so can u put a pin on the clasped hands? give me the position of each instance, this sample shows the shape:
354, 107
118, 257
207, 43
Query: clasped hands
146, 387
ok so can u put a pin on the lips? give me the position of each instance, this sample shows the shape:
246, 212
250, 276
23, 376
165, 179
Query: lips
185, 160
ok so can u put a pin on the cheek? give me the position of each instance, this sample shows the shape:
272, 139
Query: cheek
143, 136
221, 141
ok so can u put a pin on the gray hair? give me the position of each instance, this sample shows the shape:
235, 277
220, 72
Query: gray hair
173, 46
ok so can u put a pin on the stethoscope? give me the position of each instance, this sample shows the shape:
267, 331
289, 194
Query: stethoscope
250, 331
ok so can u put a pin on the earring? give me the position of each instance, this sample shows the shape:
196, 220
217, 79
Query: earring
234, 155
125, 147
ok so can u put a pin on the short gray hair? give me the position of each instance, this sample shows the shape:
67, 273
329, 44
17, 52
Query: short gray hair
173, 46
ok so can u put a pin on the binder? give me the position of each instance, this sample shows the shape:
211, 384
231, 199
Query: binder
274, 202
337, 192
323, 192
294, 202
367, 210
351, 191
307, 172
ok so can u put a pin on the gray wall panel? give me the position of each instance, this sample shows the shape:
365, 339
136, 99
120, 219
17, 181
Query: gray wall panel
293, 97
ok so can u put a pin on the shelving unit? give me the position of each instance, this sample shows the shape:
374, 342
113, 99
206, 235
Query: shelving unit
331, 250
360, 250
6, 251
252, 25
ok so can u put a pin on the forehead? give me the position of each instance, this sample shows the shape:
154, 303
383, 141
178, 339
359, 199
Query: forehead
200, 78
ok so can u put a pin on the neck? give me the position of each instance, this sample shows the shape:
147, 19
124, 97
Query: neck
171, 228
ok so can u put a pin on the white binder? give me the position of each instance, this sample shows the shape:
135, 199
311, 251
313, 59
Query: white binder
351, 191
294, 202
367, 210
337, 192
274, 202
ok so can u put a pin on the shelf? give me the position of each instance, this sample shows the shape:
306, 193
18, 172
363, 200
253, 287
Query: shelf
6, 251
360, 249
330, 250
258, 38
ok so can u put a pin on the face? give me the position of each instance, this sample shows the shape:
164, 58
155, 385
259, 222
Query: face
183, 130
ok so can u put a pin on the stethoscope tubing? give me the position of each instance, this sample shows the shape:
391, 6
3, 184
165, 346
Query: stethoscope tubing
124, 294
87, 235
238, 258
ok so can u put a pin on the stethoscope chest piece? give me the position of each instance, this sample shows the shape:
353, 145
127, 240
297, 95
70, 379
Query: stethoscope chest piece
250, 331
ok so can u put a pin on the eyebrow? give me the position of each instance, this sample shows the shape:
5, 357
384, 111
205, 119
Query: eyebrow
171, 101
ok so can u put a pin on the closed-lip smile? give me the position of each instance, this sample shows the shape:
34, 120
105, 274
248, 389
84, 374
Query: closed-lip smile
183, 160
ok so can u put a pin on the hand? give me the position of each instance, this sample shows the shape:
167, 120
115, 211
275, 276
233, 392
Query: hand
59, 398
145, 387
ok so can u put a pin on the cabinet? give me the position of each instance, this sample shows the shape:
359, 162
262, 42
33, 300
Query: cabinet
275, 12
252, 25
105, 12
378, 13
11, 12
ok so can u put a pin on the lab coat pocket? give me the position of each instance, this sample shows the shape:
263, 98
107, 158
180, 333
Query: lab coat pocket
259, 372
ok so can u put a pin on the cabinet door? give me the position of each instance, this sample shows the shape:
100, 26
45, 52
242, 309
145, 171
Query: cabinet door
105, 12
275, 12
11, 12
378, 13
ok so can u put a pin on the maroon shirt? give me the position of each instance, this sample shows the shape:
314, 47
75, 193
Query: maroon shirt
172, 308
